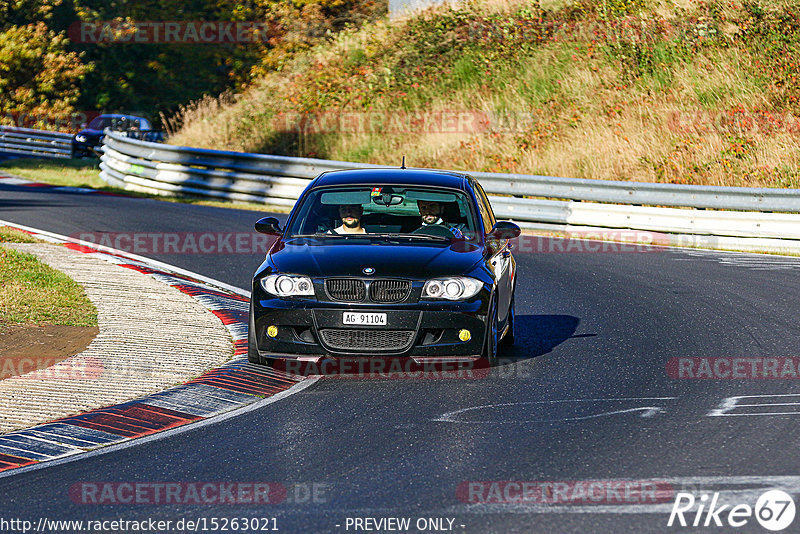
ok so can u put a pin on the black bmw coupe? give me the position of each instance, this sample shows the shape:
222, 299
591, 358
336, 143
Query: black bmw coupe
385, 262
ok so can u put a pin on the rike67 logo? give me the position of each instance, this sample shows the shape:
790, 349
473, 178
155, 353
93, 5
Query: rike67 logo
774, 510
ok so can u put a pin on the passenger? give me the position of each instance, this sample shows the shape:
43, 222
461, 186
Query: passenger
351, 219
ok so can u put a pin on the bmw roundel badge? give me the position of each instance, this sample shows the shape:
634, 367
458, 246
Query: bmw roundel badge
368, 270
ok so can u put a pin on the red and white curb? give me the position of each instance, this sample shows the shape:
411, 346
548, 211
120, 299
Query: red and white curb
223, 390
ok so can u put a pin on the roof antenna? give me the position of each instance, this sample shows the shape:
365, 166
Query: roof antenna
403, 165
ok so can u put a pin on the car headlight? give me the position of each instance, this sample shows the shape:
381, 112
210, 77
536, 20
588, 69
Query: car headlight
80, 138
284, 285
454, 288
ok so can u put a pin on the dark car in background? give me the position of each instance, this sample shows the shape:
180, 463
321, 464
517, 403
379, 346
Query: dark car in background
90, 138
388, 283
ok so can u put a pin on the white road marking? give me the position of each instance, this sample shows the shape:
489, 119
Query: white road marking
729, 404
7, 180
747, 260
647, 411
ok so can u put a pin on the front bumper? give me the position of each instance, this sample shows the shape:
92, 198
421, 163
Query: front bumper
84, 149
308, 329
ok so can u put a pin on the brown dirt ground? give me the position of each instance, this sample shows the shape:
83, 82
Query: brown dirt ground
26, 348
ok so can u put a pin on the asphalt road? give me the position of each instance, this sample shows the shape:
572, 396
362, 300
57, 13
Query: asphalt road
584, 395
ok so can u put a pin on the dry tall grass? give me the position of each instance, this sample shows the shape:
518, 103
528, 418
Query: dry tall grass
561, 108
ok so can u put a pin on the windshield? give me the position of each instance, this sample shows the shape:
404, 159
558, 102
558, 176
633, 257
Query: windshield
119, 123
389, 211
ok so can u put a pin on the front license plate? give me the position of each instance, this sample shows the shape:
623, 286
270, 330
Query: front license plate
378, 319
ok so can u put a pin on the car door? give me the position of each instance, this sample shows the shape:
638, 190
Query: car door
500, 260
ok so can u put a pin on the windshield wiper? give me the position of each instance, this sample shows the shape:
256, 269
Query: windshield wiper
318, 234
426, 237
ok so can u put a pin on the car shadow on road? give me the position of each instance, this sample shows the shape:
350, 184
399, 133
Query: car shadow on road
536, 335
46, 199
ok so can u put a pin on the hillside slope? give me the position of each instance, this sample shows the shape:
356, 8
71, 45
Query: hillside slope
700, 92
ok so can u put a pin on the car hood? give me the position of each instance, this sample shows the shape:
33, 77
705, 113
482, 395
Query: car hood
348, 256
91, 133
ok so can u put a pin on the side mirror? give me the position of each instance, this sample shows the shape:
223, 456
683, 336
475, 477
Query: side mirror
268, 225
504, 230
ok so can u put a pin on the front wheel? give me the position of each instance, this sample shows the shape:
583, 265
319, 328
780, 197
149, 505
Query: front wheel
508, 338
490, 347
252, 348
253, 356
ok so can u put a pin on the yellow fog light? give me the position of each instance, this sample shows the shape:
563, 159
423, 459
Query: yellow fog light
464, 335
272, 330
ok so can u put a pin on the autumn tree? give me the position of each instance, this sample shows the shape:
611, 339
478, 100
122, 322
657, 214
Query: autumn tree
39, 77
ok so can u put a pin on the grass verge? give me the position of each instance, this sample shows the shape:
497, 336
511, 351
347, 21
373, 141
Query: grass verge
33, 293
12, 235
60, 172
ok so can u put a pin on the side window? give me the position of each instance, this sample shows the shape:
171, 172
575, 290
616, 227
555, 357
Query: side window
486, 209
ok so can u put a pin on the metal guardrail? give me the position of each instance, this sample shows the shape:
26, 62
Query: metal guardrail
669, 220
38, 143
167, 169
47, 144
643, 193
279, 180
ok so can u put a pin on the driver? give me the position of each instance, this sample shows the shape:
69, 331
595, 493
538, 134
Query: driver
351, 219
431, 213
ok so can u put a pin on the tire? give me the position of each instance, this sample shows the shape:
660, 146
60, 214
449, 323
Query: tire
490, 346
252, 349
508, 339
254, 357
